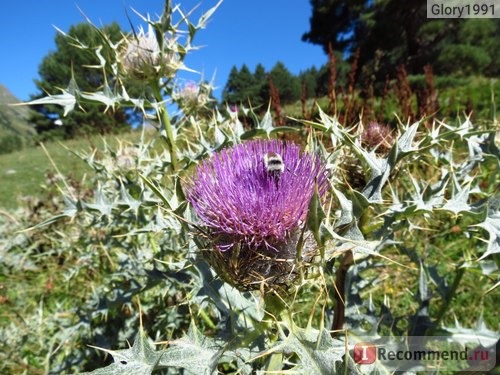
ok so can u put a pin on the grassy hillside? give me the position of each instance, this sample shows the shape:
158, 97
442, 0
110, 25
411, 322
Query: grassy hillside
13, 119
23, 173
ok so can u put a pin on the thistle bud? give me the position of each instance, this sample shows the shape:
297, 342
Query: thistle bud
144, 58
193, 96
378, 136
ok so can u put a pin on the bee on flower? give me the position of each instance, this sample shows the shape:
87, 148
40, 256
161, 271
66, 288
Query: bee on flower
252, 202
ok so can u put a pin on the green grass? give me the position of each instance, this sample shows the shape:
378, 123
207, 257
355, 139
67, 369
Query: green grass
23, 173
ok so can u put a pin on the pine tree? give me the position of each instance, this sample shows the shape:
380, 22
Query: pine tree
286, 83
389, 33
239, 85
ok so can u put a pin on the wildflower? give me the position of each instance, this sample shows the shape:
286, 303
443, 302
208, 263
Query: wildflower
254, 216
193, 96
190, 92
376, 135
126, 158
145, 58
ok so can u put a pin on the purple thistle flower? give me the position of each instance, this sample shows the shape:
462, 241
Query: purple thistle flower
241, 201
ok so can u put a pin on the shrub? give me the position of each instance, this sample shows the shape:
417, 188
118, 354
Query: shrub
10, 143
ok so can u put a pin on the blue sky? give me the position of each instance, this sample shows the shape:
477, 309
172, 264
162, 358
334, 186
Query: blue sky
251, 32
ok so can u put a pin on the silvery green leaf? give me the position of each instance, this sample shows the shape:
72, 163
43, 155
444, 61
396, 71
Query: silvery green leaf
72, 87
127, 200
317, 352
346, 209
419, 201
100, 57
380, 169
171, 203
253, 133
379, 175
219, 137
332, 125
101, 203
423, 285
266, 123
315, 216
71, 206
106, 97
195, 353
352, 240
204, 18
141, 358
139, 103
460, 196
353, 233
405, 141
283, 129
315, 125
159, 223
461, 130
234, 125
397, 206
359, 203
492, 225
488, 267
49, 221
65, 100
227, 299
480, 333
359, 247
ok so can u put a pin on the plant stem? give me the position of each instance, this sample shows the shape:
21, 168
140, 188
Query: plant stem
207, 320
166, 130
449, 296
339, 317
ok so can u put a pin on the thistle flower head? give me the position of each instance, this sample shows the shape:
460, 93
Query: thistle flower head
234, 193
253, 206
144, 57
377, 135
192, 95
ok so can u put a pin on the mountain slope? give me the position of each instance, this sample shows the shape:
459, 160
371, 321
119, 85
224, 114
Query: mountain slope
13, 119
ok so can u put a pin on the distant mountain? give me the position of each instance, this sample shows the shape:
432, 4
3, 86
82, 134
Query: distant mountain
14, 119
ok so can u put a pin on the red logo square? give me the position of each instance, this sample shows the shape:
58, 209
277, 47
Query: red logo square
365, 353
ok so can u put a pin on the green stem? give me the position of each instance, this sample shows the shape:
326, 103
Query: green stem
449, 296
274, 305
207, 320
166, 130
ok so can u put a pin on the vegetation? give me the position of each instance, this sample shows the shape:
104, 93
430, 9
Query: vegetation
414, 40
335, 90
24, 172
70, 69
161, 258
15, 132
365, 63
257, 88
